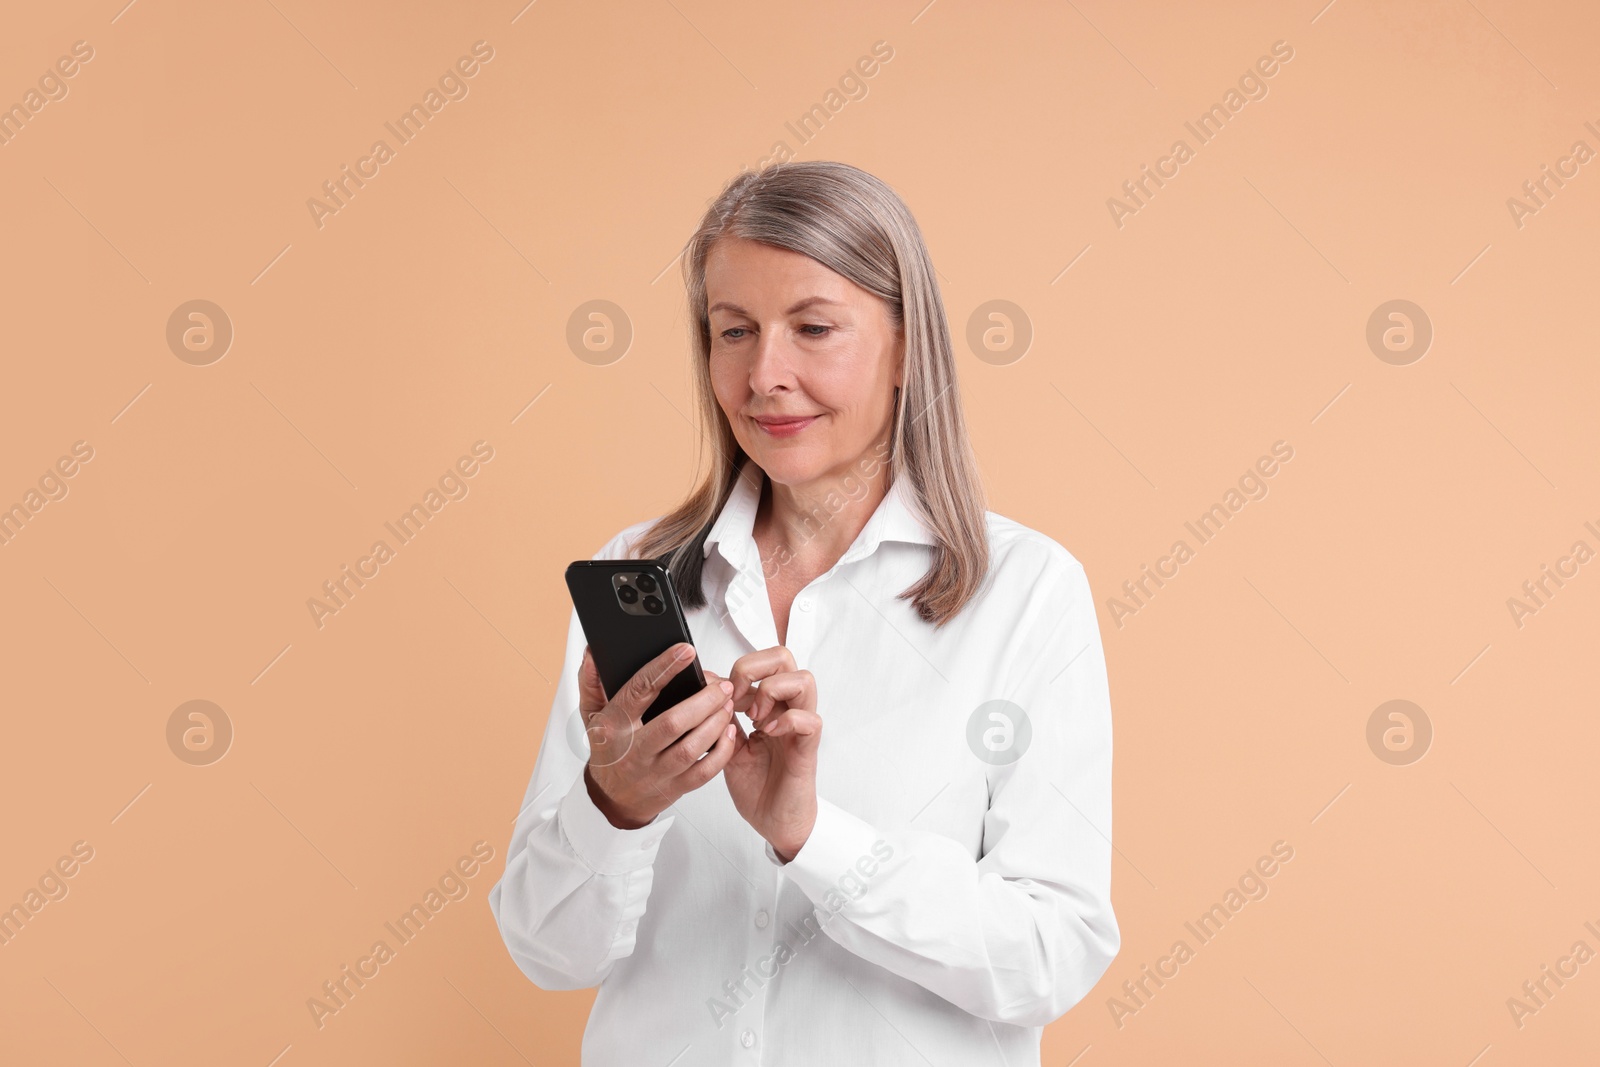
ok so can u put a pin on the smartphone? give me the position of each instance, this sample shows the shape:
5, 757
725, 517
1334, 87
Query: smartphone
630, 615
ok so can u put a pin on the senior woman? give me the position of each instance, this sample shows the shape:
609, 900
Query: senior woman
906, 858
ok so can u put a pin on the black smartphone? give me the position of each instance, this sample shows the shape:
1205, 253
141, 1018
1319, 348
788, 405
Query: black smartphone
630, 615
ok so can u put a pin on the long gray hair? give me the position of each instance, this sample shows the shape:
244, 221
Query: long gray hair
856, 226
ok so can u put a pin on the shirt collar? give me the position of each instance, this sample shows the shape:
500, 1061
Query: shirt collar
895, 519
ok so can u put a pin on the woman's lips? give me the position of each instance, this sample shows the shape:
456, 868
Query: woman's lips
785, 427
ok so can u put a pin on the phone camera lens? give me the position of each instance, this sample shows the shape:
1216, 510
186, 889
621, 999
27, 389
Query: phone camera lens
653, 605
645, 583
628, 594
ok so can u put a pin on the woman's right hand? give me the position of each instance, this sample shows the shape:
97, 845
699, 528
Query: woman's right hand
637, 770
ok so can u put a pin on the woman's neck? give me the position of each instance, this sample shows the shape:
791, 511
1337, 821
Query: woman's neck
813, 524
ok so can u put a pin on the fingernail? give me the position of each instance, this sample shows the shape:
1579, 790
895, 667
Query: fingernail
731, 732
727, 686
684, 653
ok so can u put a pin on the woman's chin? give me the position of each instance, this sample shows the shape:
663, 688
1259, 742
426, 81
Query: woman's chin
789, 464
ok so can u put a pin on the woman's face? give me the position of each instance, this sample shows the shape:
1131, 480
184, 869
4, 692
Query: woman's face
804, 362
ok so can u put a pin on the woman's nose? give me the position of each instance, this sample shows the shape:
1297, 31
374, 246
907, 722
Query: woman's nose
773, 364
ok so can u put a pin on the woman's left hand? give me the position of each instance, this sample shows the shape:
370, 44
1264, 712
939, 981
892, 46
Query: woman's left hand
772, 775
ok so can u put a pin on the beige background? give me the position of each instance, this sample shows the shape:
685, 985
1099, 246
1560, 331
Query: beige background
1229, 313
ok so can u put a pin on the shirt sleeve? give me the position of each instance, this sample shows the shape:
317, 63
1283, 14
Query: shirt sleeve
1023, 932
574, 886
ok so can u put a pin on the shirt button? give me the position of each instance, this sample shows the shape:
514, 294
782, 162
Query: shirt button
748, 1038
805, 605
761, 919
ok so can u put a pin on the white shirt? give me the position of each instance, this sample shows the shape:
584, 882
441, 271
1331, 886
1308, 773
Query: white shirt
945, 907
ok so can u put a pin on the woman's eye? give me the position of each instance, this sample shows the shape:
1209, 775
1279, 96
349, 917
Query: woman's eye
824, 330
730, 332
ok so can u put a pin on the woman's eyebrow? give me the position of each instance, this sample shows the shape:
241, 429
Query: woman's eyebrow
724, 305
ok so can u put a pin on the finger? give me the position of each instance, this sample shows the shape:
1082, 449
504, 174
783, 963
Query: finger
804, 726
643, 688
796, 689
711, 765
752, 667
591, 695
686, 715
682, 753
